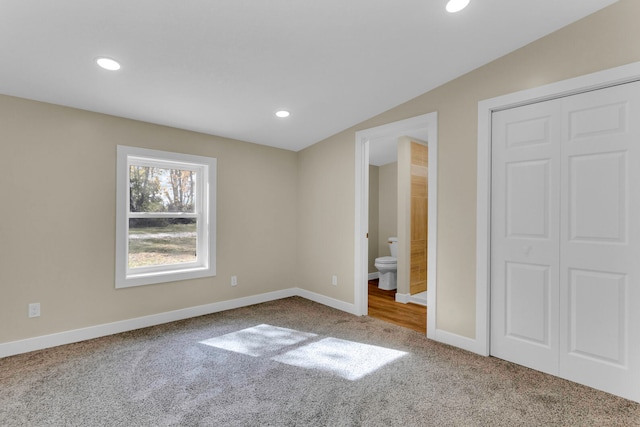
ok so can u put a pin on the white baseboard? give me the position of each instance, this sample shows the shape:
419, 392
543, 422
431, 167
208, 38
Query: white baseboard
373, 276
76, 335
459, 341
402, 298
330, 302
407, 298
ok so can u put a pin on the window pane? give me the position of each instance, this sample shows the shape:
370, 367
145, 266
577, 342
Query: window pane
161, 241
153, 189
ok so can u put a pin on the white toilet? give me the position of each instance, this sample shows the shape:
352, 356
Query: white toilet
387, 267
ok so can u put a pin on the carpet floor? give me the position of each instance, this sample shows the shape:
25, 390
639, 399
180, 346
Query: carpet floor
290, 362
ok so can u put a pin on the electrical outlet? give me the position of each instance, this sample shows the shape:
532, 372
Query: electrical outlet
234, 280
334, 280
34, 309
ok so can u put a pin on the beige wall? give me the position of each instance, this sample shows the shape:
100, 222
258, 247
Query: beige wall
326, 215
603, 40
387, 206
57, 219
374, 216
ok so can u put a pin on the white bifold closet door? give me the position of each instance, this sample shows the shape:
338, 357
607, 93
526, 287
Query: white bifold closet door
565, 238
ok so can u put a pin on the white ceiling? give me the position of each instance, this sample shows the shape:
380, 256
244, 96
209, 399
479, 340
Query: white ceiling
223, 67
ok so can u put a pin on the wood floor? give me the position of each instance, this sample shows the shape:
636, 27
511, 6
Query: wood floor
383, 306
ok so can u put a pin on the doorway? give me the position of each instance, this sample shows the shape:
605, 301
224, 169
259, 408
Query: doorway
392, 173
422, 128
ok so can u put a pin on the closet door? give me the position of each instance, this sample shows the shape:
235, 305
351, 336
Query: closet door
525, 234
600, 240
565, 238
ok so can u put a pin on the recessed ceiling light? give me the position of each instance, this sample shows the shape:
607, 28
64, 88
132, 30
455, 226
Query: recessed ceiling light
108, 64
456, 5
282, 113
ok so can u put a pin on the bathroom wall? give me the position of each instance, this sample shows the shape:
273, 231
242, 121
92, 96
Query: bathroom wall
383, 211
374, 217
404, 214
388, 206
57, 219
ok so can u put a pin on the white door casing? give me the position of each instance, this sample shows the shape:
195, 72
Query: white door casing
424, 127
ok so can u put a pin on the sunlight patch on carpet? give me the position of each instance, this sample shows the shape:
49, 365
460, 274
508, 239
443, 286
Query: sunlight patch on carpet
347, 359
259, 340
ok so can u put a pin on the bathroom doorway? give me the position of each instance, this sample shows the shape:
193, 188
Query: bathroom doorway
377, 157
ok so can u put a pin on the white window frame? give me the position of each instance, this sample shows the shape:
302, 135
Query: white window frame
205, 265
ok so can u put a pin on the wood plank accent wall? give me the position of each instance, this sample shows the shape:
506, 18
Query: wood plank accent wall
419, 204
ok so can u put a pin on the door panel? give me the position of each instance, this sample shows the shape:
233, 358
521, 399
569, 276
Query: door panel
527, 303
601, 337
524, 236
597, 119
598, 197
527, 199
600, 248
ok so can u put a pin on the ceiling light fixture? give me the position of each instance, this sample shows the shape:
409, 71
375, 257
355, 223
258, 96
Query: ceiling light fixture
282, 113
108, 64
456, 5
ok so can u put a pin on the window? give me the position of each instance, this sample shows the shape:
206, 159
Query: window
165, 220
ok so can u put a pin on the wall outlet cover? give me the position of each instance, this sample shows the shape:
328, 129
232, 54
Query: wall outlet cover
34, 309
